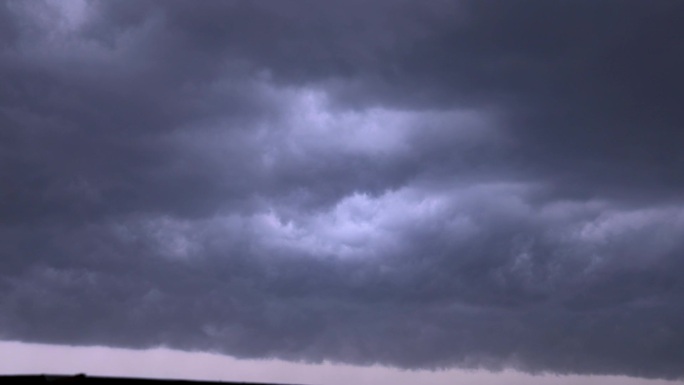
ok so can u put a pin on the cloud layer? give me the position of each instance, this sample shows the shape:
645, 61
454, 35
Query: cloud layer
424, 185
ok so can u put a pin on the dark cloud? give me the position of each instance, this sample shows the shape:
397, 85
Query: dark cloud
476, 184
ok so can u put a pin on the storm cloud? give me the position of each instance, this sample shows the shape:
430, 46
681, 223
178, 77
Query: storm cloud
477, 184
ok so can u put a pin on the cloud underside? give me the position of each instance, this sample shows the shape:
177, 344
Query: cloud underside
454, 184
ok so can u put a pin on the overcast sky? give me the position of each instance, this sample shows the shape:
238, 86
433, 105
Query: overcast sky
485, 184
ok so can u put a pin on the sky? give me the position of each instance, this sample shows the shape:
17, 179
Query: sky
393, 190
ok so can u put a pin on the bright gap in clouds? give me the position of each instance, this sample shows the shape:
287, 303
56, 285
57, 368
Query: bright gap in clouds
25, 358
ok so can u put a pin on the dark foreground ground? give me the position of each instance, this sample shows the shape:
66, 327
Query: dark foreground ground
83, 379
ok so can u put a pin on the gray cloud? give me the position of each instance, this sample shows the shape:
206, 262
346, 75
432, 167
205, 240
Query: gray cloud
474, 184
